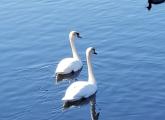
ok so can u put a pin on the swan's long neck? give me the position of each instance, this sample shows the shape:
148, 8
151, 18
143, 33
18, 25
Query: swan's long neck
91, 77
74, 51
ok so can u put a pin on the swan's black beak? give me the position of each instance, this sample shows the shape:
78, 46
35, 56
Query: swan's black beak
94, 51
78, 35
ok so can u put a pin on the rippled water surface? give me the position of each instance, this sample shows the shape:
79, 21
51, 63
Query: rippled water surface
130, 66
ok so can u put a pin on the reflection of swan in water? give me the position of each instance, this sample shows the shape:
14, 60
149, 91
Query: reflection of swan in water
94, 114
85, 101
150, 2
71, 76
70, 65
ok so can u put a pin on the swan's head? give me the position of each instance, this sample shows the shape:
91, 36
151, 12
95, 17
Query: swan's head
91, 50
74, 34
149, 5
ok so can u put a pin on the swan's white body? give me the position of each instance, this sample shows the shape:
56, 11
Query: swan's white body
82, 89
68, 65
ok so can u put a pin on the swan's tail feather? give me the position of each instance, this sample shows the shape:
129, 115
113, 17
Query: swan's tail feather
58, 76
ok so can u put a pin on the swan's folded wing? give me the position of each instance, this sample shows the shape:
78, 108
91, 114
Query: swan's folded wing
78, 90
68, 65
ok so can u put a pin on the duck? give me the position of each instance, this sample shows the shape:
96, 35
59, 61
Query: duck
72, 64
82, 89
150, 2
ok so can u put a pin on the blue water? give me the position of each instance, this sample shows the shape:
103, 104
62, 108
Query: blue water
129, 67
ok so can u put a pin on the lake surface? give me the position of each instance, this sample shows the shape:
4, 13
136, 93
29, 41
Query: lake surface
129, 67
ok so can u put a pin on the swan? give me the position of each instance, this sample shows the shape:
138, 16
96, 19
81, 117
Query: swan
73, 64
82, 89
150, 2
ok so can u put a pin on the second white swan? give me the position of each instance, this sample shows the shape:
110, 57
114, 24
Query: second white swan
82, 89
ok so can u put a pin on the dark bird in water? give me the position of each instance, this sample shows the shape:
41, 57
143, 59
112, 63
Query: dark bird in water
150, 2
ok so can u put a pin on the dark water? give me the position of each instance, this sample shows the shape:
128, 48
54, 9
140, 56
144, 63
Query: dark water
130, 66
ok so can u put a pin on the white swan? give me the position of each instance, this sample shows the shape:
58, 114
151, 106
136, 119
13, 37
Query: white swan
70, 65
83, 89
